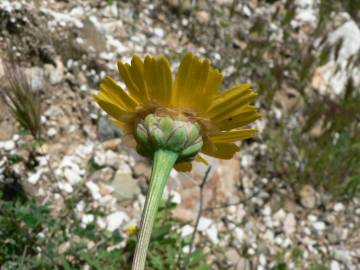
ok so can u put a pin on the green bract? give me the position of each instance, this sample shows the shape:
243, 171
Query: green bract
166, 133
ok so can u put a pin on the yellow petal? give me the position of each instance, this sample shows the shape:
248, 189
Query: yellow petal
158, 79
117, 95
211, 88
237, 119
195, 84
231, 99
112, 109
102, 95
199, 158
220, 150
183, 166
213, 82
133, 77
124, 126
233, 136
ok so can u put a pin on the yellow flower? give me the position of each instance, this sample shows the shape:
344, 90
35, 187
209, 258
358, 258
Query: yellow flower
194, 94
132, 230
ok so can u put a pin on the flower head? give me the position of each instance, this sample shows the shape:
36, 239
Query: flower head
132, 230
193, 96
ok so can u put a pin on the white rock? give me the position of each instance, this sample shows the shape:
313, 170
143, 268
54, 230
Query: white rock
262, 259
307, 230
3, 161
51, 132
287, 243
101, 222
335, 74
204, 223
94, 190
73, 176
87, 219
55, 74
184, 22
308, 196
280, 215
159, 32
116, 44
240, 213
33, 178
306, 11
111, 10
334, 265
266, 211
349, 33
230, 70
319, 226
269, 222
35, 76
187, 230
247, 11
15, 137
277, 113
279, 241
54, 111
289, 224
212, 234
65, 186
77, 11
312, 218
338, 207
239, 234
107, 200
7, 5
61, 19
80, 207
115, 220
225, 2
342, 255
251, 251
202, 17
107, 56
175, 196
269, 235
85, 150
8, 145
186, 249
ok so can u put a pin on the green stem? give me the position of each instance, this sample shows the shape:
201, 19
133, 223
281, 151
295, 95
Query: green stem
163, 163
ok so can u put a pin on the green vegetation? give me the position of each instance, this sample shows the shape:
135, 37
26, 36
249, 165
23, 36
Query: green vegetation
316, 140
31, 238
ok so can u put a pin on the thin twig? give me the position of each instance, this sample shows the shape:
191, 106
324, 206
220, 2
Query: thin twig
201, 206
232, 204
23, 258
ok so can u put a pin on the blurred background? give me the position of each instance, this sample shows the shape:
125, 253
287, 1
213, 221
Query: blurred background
71, 191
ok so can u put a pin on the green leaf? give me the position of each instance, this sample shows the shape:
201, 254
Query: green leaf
196, 257
160, 232
203, 267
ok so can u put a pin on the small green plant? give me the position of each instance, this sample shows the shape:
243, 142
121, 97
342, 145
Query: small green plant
167, 246
296, 260
22, 101
318, 266
32, 238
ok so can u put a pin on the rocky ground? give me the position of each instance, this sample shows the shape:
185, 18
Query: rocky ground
67, 47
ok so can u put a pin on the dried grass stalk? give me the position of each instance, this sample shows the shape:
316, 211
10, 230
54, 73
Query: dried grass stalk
22, 101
